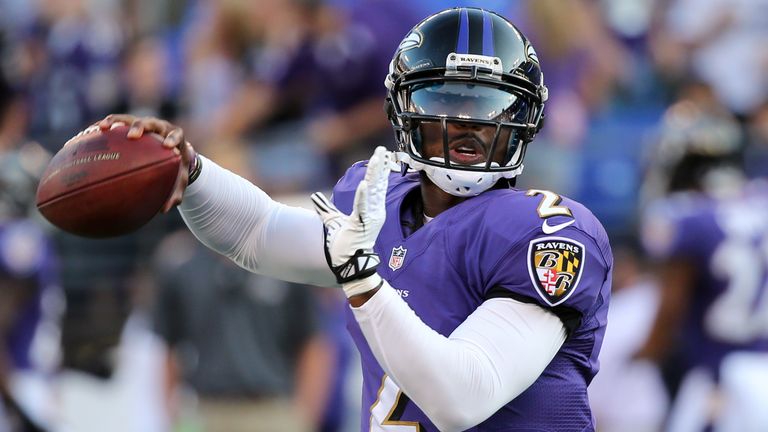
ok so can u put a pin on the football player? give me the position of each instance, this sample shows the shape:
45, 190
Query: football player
489, 308
30, 308
707, 228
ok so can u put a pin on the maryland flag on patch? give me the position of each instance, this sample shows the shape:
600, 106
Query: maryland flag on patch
554, 265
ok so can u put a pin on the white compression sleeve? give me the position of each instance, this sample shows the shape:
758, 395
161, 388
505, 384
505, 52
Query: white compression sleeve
463, 379
237, 219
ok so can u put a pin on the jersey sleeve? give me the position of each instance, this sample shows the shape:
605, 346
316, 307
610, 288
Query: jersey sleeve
565, 273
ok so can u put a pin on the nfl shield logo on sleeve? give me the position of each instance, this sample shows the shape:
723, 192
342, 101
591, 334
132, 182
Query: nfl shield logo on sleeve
397, 257
555, 265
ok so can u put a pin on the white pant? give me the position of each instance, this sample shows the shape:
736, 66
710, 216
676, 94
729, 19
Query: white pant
738, 404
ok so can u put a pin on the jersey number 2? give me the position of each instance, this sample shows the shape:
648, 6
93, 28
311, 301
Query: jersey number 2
549, 205
740, 314
389, 407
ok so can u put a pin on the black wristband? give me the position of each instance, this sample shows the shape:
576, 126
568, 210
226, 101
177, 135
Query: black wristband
194, 169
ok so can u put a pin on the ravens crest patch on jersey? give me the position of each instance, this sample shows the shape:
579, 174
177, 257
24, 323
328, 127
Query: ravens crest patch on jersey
555, 265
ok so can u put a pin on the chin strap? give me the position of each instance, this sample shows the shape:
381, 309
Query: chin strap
460, 183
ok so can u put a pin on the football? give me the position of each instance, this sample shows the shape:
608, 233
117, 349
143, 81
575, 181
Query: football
102, 184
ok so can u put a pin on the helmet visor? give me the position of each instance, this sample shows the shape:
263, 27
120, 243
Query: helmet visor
462, 100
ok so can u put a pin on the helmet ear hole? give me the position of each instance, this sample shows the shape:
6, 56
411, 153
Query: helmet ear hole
529, 133
389, 108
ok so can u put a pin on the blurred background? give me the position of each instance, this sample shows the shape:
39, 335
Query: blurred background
152, 332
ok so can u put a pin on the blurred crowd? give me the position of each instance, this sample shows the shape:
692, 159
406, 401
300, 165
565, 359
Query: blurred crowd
152, 332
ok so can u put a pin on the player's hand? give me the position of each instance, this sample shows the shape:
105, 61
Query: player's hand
349, 239
173, 139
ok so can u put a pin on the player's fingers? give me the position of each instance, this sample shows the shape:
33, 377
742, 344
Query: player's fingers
377, 195
158, 126
174, 138
143, 125
378, 170
374, 164
175, 199
182, 180
379, 179
320, 202
172, 202
113, 119
381, 154
360, 206
187, 153
324, 207
137, 129
89, 130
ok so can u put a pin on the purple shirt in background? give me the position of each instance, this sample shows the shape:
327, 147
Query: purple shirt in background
477, 250
341, 70
26, 257
726, 240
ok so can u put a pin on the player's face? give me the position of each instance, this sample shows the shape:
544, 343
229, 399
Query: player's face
475, 141
468, 144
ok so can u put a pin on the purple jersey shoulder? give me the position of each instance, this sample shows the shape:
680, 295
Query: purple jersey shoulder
552, 260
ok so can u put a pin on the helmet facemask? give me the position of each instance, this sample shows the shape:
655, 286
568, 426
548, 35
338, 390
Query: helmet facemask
482, 124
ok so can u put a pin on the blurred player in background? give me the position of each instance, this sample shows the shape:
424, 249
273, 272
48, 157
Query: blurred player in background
30, 307
629, 395
31, 302
490, 310
707, 227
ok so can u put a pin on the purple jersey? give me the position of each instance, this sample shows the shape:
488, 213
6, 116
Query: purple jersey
27, 275
727, 242
493, 245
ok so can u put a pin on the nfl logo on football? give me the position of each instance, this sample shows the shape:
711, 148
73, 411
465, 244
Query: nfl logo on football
397, 257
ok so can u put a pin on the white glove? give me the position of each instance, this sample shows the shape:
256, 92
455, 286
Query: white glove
349, 239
